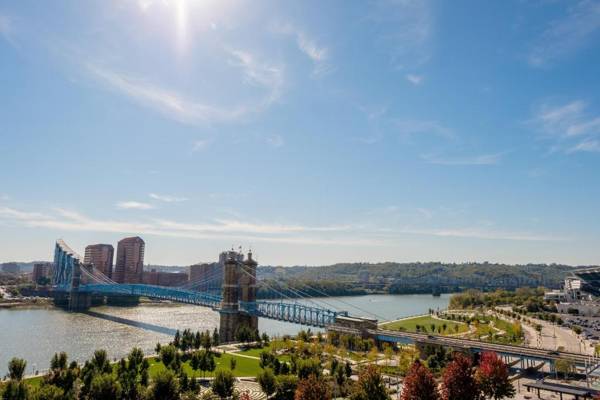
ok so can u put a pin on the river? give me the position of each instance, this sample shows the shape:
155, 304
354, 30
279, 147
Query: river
36, 334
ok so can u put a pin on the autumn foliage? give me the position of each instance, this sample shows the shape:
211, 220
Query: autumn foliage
419, 384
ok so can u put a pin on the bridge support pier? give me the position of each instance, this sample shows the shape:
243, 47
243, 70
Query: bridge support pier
78, 301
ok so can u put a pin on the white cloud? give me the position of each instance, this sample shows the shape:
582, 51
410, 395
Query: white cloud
7, 29
414, 79
199, 145
319, 55
275, 141
570, 127
190, 111
225, 229
590, 146
4, 197
134, 205
567, 35
409, 127
482, 159
167, 198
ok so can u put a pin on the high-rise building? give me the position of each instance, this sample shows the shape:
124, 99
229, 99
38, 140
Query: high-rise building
129, 266
207, 276
101, 257
42, 272
164, 278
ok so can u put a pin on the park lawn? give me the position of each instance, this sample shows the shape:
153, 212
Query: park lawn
244, 367
410, 325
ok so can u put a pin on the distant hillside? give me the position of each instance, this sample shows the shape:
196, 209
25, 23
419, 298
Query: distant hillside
420, 277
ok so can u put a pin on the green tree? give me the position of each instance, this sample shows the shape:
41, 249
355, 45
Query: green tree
232, 363
222, 384
48, 392
204, 361
16, 368
370, 385
164, 386
15, 390
286, 387
266, 380
104, 387
215, 337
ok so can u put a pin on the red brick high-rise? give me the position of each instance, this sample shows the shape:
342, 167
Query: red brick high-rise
129, 266
101, 257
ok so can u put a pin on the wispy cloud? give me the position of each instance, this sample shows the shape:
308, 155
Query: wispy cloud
414, 79
4, 197
199, 145
167, 198
405, 29
318, 54
570, 126
134, 205
7, 29
481, 159
275, 140
190, 111
408, 127
566, 35
589, 146
477, 233
227, 229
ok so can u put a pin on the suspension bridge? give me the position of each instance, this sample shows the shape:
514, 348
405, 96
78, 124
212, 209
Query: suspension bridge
237, 305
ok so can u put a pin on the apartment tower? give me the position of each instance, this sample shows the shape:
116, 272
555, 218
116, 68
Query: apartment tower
129, 266
101, 257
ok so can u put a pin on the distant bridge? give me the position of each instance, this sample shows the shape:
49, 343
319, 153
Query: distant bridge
237, 303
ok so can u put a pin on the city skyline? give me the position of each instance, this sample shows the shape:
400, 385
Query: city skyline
313, 133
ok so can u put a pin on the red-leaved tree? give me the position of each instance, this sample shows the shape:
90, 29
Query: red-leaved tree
312, 388
419, 384
458, 381
492, 377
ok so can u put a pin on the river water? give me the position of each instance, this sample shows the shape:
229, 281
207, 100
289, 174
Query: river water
36, 334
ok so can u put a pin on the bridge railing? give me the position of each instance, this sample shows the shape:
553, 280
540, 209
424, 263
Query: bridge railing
292, 312
157, 292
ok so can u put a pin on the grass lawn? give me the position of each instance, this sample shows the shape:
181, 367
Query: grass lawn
244, 367
426, 322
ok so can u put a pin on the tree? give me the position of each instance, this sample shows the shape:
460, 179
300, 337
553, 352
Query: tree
232, 363
222, 385
104, 387
16, 368
419, 384
286, 387
48, 392
215, 337
564, 367
458, 381
15, 390
169, 355
204, 361
164, 386
309, 367
312, 388
206, 341
492, 377
348, 369
266, 380
370, 385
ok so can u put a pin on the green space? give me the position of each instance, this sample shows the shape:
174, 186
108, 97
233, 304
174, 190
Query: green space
427, 324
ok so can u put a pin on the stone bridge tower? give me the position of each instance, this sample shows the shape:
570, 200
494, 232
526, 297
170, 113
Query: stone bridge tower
239, 288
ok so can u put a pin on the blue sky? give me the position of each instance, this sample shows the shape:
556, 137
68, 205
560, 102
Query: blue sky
313, 132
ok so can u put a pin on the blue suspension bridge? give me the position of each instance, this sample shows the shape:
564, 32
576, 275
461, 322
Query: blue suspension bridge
237, 305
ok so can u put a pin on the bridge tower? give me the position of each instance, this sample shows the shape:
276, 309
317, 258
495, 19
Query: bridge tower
78, 301
239, 285
247, 281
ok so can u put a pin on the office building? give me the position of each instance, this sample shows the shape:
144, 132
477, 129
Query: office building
100, 256
129, 266
163, 278
42, 272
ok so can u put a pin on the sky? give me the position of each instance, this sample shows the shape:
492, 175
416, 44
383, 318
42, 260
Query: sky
310, 132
